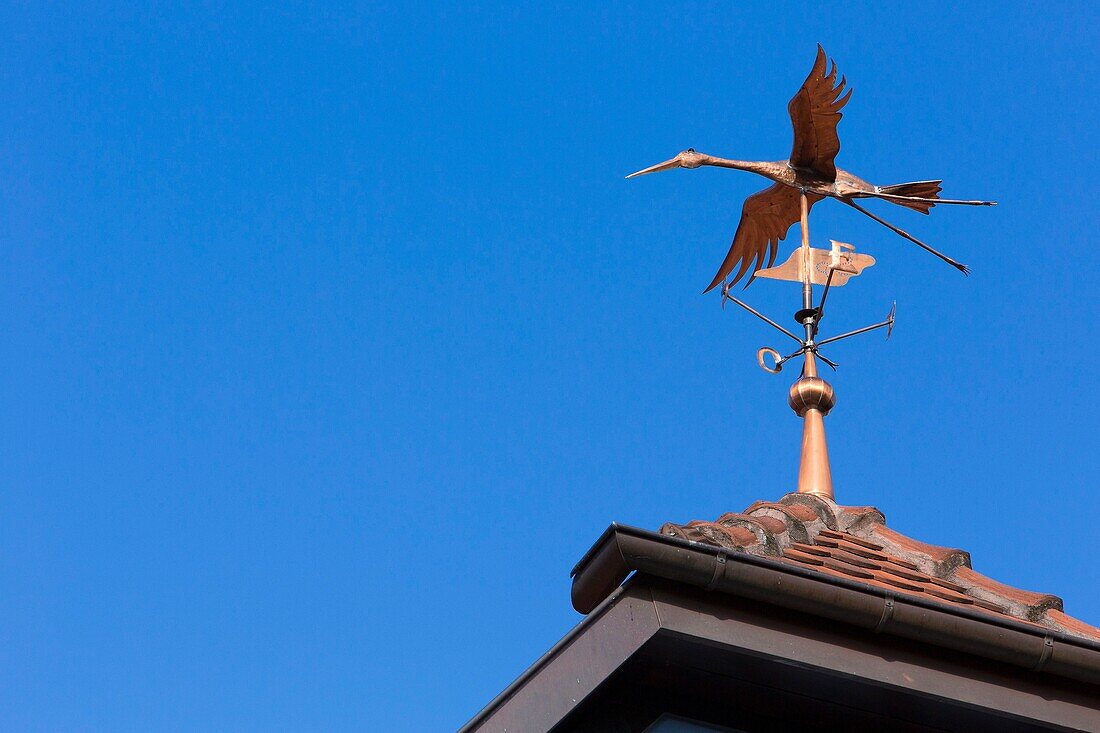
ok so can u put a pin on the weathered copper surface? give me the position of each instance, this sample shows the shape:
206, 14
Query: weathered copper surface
811, 393
815, 533
811, 398
842, 259
766, 216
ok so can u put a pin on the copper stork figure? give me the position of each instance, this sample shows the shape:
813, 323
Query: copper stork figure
767, 215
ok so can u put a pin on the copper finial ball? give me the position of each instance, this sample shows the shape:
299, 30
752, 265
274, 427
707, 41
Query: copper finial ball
811, 393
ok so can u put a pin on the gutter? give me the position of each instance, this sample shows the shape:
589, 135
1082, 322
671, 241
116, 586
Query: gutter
621, 550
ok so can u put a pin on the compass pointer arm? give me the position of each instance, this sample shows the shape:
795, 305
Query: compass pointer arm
889, 322
763, 317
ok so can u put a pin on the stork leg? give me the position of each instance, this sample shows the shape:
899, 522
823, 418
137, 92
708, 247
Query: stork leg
957, 265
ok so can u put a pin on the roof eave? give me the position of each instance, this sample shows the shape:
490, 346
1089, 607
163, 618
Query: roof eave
622, 550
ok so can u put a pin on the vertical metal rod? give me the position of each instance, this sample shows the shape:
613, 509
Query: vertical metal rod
814, 474
804, 220
809, 368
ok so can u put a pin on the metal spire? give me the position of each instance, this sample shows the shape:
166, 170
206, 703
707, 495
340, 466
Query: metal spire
811, 397
809, 175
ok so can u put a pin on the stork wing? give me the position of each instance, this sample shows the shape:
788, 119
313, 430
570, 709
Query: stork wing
765, 219
815, 112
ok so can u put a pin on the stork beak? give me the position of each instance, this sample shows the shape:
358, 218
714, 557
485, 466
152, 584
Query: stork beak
667, 165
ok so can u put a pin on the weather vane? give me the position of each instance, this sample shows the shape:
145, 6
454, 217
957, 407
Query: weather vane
806, 178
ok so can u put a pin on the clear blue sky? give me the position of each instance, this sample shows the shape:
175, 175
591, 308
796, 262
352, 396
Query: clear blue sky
333, 335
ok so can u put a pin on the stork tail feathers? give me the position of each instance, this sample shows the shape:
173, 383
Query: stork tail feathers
928, 190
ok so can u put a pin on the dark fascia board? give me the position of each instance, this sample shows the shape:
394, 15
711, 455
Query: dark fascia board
622, 550
543, 661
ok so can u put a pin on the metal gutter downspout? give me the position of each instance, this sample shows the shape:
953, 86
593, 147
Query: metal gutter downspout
622, 550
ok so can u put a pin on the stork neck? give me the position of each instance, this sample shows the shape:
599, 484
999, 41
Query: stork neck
760, 167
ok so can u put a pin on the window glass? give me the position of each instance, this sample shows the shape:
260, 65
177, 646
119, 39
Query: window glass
675, 724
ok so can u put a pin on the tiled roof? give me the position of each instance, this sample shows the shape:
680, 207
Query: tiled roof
854, 543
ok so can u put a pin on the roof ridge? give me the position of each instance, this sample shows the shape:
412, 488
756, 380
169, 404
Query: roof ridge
816, 533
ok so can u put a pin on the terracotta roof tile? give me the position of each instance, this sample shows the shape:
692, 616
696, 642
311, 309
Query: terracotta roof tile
859, 562
847, 568
771, 524
906, 573
805, 557
901, 583
850, 538
948, 585
854, 543
1073, 625
1034, 605
904, 564
809, 549
932, 559
948, 595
